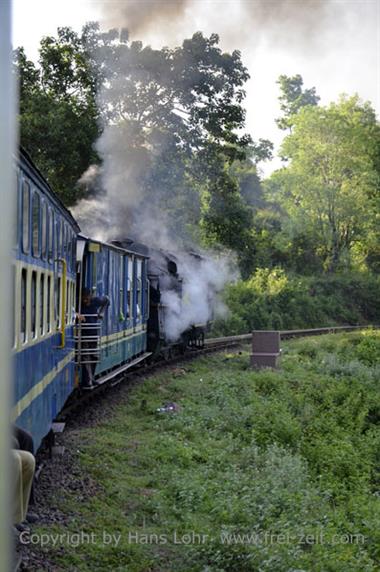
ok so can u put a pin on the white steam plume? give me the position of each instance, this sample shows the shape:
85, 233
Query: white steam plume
203, 280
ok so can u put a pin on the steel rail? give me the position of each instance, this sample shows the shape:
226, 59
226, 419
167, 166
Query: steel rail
286, 334
210, 345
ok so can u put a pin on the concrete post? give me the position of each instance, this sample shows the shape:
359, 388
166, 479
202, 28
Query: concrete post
265, 349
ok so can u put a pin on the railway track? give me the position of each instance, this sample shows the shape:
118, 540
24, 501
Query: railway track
210, 345
286, 334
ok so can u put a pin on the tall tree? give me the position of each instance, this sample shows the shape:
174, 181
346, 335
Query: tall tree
58, 111
175, 116
293, 97
193, 92
331, 184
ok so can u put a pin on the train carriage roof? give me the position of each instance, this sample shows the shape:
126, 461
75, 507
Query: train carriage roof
117, 246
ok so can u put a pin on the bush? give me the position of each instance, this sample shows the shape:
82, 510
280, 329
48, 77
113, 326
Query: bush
271, 299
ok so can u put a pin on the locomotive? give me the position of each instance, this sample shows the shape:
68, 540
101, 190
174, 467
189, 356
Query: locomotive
53, 263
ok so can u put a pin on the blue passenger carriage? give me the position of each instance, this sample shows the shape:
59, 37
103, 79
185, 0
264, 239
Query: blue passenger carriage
44, 299
121, 274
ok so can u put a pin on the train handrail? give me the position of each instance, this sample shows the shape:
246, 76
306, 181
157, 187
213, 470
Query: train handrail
87, 354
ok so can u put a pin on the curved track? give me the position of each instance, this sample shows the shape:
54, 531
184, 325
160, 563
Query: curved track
210, 345
80, 398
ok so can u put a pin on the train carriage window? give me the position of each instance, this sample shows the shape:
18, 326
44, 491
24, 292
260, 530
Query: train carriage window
70, 263
63, 241
128, 312
57, 239
58, 302
23, 306
50, 235
42, 305
67, 240
73, 302
68, 249
74, 251
25, 217
33, 303
44, 230
130, 289
146, 291
139, 289
68, 302
36, 224
94, 269
48, 305
121, 288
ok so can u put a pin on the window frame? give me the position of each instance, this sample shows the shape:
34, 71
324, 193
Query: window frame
25, 224
44, 229
50, 236
42, 305
49, 280
139, 313
36, 224
33, 305
23, 333
130, 288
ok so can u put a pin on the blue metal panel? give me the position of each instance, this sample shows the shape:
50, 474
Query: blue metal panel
33, 365
34, 362
43, 264
37, 417
113, 355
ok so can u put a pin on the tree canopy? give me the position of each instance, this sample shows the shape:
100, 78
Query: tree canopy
58, 111
293, 97
329, 189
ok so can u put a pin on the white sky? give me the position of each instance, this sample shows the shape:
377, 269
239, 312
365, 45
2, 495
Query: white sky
343, 56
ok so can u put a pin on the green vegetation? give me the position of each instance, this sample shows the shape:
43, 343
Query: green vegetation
58, 111
293, 97
329, 191
291, 456
176, 118
272, 299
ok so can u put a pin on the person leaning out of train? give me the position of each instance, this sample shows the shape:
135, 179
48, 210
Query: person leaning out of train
92, 310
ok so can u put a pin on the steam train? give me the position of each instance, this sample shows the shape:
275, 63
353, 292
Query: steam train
53, 263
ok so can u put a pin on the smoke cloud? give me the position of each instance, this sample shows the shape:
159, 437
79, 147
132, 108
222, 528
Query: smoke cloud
237, 21
138, 16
